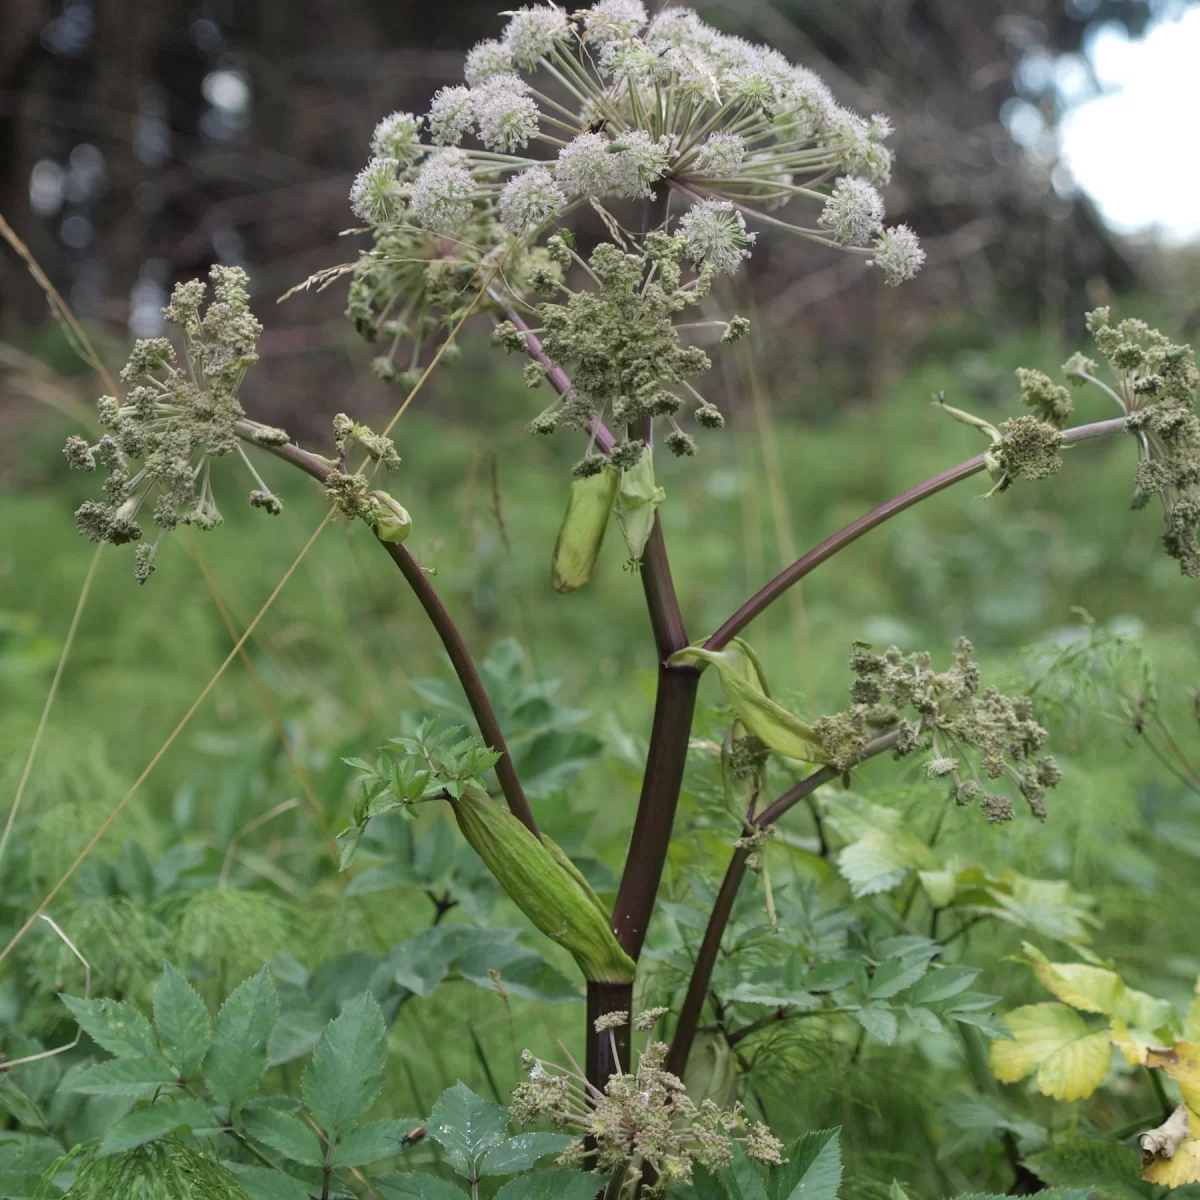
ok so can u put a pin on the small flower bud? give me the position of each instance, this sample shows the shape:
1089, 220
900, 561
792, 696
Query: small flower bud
384, 368
737, 329
79, 454
709, 415
266, 500
506, 334
680, 444
626, 455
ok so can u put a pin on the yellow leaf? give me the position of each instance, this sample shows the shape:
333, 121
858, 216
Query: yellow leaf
742, 684
1089, 989
1133, 1043
1094, 989
1174, 1172
1191, 1022
1051, 1039
1171, 1152
1181, 1062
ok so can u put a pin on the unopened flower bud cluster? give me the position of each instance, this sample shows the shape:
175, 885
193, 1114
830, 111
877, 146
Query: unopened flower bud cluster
161, 437
1153, 381
978, 739
644, 1115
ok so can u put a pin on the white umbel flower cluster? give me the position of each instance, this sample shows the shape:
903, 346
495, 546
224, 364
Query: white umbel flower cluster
635, 105
853, 213
443, 194
530, 199
714, 235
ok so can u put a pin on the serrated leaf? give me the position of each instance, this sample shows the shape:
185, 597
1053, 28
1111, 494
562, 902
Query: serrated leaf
988, 1023
829, 976
1046, 1194
813, 1170
944, 983
1180, 1061
894, 975
284, 1133
1109, 1169
879, 1021
559, 1184
467, 1126
1182, 1168
371, 1142
417, 1186
707, 1185
182, 1021
742, 1179
259, 1183
1055, 1042
124, 1077
521, 1152
237, 1056
116, 1027
346, 1072
149, 1124
924, 1018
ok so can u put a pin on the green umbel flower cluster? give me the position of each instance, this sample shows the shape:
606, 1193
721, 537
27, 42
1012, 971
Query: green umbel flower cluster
160, 439
1154, 381
645, 1114
975, 736
622, 349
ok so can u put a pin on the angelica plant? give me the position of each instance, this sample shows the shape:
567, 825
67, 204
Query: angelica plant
691, 147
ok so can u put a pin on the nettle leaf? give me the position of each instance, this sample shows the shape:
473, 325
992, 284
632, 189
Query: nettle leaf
1108, 1169
559, 1184
116, 1027
124, 1077
149, 1124
237, 1057
813, 1170
182, 1020
879, 1021
285, 1133
416, 1186
371, 1142
467, 1126
1054, 1041
521, 1152
346, 1072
